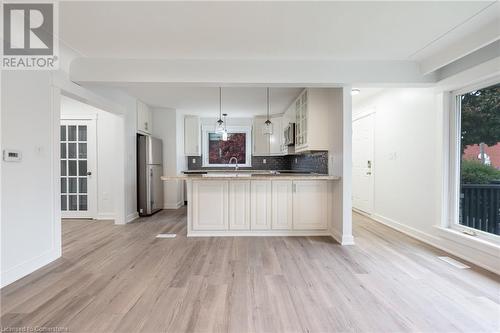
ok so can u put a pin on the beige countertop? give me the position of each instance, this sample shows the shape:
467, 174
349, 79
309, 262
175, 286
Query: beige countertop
250, 176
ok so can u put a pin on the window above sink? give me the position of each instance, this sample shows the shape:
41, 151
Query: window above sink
217, 153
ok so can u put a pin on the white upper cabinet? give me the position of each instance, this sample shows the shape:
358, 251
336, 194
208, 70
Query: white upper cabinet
312, 120
192, 136
261, 142
301, 121
276, 139
265, 144
144, 118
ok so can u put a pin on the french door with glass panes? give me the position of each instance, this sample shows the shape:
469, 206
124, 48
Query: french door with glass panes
78, 166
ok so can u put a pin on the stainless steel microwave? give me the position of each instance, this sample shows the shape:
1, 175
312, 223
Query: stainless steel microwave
289, 134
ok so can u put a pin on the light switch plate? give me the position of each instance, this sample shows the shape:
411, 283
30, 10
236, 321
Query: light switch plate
12, 155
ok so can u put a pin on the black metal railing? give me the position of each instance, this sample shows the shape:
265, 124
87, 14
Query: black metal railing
480, 207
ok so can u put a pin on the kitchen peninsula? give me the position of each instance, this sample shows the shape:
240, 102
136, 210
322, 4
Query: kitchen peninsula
243, 177
258, 204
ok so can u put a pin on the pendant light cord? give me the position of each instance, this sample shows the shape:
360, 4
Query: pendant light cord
220, 103
267, 104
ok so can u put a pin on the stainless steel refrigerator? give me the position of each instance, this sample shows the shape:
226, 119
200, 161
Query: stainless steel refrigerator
149, 171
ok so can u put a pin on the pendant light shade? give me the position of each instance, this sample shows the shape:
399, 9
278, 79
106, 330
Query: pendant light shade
268, 126
219, 124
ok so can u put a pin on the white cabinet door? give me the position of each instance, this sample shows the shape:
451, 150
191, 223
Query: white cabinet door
192, 135
276, 139
284, 124
209, 206
149, 122
301, 126
144, 118
260, 140
260, 199
282, 205
239, 205
310, 200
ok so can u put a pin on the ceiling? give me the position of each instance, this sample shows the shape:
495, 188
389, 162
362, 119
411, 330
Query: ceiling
204, 101
259, 30
141, 46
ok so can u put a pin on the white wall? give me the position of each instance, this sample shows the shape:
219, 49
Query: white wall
180, 157
30, 214
128, 110
30, 189
404, 158
408, 168
339, 164
107, 125
167, 126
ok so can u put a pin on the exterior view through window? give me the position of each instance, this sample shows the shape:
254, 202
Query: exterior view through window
220, 151
480, 159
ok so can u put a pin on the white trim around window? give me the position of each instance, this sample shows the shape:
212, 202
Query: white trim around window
230, 129
452, 130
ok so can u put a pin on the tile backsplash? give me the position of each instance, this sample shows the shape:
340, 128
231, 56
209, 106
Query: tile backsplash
311, 162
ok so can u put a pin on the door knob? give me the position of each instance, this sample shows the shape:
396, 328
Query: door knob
89, 173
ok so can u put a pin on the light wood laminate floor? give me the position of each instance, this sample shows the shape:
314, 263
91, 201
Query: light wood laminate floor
123, 279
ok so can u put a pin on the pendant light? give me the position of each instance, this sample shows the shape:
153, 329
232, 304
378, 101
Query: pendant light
219, 125
268, 126
224, 134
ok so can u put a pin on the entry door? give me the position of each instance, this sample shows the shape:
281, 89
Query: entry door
362, 163
78, 169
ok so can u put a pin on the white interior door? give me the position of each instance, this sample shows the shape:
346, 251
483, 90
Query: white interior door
78, 169
362, 163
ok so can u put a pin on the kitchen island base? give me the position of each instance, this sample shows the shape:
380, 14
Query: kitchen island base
259, 207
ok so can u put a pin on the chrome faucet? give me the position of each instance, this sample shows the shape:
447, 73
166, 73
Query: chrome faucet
236, 160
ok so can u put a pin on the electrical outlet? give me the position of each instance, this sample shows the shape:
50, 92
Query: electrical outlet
264, 161
193, 161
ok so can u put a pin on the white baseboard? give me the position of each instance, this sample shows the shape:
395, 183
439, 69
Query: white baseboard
169, 205
132, 216
105, 216
473, 256
28, 267
415, 233
275, 233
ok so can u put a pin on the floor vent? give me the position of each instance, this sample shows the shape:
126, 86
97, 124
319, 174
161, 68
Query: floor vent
454, 262
166, 235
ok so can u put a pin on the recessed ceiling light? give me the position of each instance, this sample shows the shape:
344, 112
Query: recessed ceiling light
355, 91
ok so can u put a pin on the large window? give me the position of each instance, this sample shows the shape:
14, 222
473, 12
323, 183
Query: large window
219, 153
478, 126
